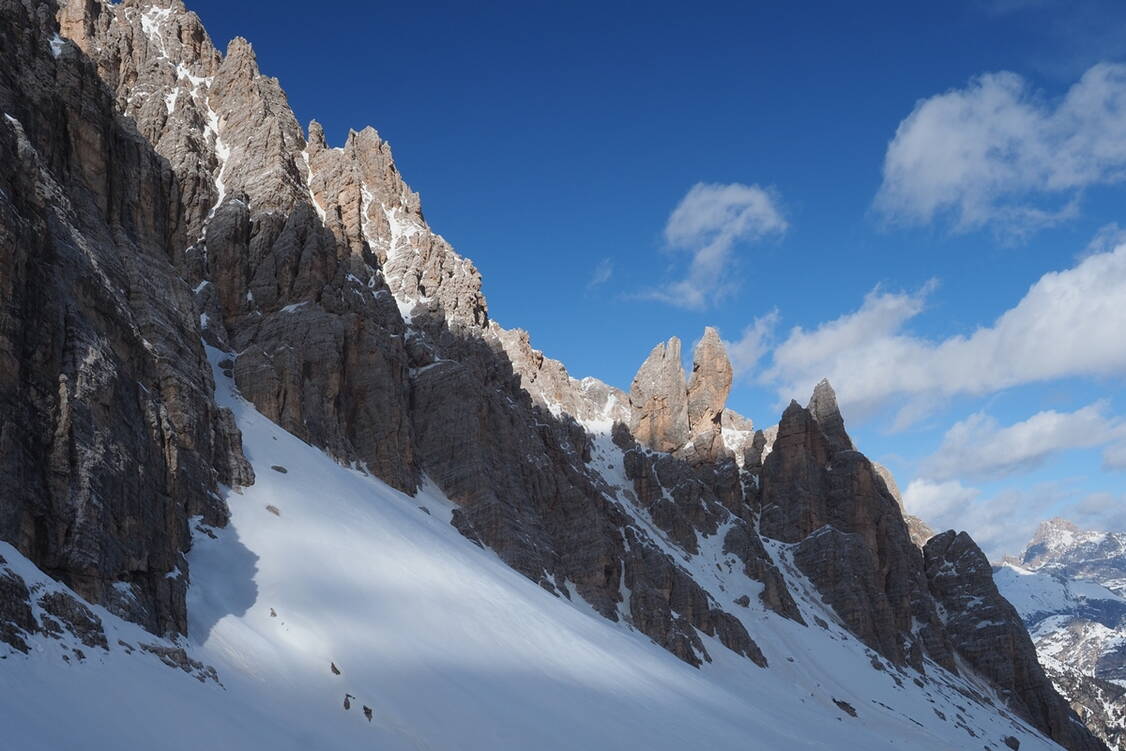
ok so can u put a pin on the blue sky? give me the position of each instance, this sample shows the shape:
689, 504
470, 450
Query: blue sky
558, 146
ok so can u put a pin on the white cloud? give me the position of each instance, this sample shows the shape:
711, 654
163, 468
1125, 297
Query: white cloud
978, 447
936, 501
602, 273
1105, 511
1000, 524
1108, 237
709, 221
1114, 456
998, 152
1069, 323
753, 344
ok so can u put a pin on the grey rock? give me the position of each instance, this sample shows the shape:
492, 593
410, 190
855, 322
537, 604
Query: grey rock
823, 406
853, 542
989, 635
918, 529
16, 619
76, 617
111, 439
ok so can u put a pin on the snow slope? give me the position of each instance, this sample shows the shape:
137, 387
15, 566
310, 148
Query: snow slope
328, 584
1035, 593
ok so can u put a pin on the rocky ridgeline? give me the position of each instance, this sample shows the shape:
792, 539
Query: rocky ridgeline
164, 193
688, 418
1078, 621
1061, 547
992, 639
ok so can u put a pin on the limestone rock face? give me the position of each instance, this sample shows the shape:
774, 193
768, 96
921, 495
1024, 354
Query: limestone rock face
551, 387
361, 331
110, 439
669, 606
852, 541
669, 415
989, 635
16, 619
823, 406
710, 384
659, 399
287, 280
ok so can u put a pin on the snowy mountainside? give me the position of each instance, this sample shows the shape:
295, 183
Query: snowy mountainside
1038, 593
645, 561
1079, 554
330, 588
1068, 589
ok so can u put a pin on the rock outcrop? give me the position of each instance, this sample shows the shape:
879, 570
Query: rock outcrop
851, 541
547, 381
707, 396
659, 399
671, 415
823, 406
110, 439
360, 330
988, 634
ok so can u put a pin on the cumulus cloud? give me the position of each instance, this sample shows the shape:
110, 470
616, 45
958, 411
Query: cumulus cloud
707, 225
1069, 323
1000, 524
978, 447
601, 274
997, 152
755, 342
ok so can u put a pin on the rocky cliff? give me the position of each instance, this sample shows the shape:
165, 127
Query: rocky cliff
992, 639
165, 198
110, 439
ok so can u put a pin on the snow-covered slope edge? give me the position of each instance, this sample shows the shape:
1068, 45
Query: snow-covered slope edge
330, 589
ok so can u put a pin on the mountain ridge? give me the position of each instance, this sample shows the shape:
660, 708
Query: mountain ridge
343, 319
1068, 585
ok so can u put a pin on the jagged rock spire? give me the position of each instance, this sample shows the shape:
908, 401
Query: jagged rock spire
710, 384
823, 406
659, 399
669, 415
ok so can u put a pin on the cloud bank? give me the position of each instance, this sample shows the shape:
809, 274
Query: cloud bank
1000, 524
979, 448
996, 152
1069, 323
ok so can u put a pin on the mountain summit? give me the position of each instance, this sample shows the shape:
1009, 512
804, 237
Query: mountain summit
273, 477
